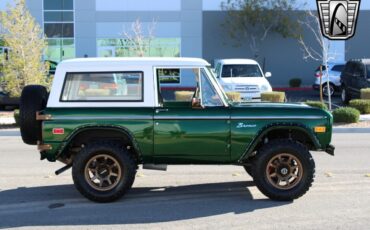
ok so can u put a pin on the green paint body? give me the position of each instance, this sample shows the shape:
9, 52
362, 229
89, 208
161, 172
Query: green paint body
180, 134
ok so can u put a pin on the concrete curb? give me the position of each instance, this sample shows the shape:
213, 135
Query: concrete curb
351, 130
10, 133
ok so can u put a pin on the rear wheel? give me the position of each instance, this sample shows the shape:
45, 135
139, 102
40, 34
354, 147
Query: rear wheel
328, 90
284, 170
103, 171
33, 99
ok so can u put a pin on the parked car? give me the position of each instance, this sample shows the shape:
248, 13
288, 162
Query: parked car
7, 101
355, 76
244, 76
104, 135
334, 71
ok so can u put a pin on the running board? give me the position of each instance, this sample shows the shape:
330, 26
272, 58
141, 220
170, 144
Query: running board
155, 167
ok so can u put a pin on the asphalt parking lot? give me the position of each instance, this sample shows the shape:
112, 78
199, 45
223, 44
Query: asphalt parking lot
195, 197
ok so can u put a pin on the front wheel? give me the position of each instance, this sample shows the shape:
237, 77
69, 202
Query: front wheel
103, 171
284, 170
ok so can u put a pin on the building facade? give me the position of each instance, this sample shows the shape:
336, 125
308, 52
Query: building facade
187, 28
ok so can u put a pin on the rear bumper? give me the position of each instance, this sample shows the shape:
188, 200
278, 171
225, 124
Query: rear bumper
330, 150
316, 86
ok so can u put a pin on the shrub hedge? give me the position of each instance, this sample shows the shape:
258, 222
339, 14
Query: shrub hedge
295, 82
184, 95
365, 93
346, 115
361, 105
234, 96
273, 96
317, 104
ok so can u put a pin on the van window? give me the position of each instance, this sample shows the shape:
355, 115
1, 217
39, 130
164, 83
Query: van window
368, 71
103, 86
241, 71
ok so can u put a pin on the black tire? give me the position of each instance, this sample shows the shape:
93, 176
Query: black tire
345, 96
276, 148
125, 161
325, 91
33, 99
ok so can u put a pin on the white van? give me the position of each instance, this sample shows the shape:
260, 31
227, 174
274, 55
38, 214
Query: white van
244, 76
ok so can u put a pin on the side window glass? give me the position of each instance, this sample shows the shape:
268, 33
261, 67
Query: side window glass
210, 97
177, 84
359, 70
103, 86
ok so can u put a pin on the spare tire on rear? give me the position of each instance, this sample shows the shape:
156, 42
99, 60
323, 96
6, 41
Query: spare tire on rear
33, 99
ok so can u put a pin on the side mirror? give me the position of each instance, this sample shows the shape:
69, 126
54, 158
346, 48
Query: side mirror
196, 103
268, 74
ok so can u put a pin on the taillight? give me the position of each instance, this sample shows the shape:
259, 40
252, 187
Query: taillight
318, 75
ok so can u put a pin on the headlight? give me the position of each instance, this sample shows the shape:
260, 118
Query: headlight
227, 87
265, 88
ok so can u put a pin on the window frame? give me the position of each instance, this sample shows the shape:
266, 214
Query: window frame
101, 101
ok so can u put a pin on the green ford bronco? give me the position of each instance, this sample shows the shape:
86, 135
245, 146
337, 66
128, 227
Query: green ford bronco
106, 116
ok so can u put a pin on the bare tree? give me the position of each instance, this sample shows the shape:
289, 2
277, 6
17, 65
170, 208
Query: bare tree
255, 20
319, 51
138, 40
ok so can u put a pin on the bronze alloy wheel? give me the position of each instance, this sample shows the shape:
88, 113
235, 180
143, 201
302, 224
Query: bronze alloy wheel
284, 171
103, 172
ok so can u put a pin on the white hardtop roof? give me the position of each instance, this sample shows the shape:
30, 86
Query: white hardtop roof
134, 61
237, 61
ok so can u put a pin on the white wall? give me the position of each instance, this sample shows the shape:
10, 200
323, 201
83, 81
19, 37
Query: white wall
138, 5
115, 29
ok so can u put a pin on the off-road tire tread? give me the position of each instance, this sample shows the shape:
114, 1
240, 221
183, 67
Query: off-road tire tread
129, 168
265, 154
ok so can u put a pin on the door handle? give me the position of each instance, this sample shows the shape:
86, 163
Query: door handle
161, 110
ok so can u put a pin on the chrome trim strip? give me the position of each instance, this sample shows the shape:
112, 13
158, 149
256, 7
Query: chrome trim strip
191, 118
278, 118
74, 118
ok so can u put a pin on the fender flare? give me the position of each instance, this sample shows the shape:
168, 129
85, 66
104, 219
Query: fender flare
274, 126
85, 128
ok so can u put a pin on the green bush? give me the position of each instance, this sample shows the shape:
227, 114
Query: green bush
234, 96
317, 104
273, 97
346, 115
365, 93
16, 116
295, 82
361, 105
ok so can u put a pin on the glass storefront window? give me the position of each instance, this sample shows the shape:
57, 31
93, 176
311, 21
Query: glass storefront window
60, 49
58, 4
59, 30
58, 16
157, 47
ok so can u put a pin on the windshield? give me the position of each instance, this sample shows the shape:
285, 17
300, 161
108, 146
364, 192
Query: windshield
219, 88
250, 70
